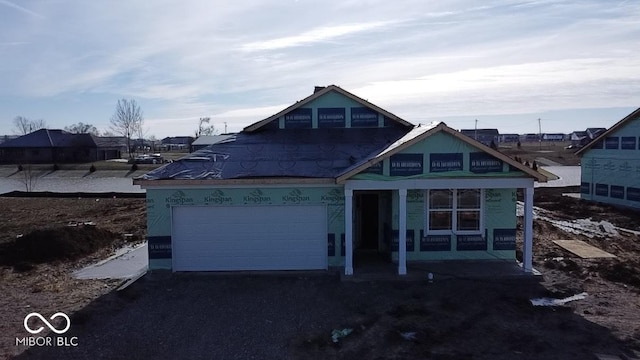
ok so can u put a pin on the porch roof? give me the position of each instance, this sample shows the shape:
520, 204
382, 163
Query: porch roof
421, 132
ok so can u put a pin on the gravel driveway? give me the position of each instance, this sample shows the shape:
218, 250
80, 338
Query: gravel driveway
203, 316
233, 316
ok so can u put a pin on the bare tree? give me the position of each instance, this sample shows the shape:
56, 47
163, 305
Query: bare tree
82, 128
38, 124
127, 120
29, 177
22, 124
205, 129
25, 125
153, 140
141, 133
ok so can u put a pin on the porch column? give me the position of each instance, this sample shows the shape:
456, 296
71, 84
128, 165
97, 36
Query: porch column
402, 232
348, 231
527, 249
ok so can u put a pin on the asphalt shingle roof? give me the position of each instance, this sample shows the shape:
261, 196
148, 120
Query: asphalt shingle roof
44, 138
308, 153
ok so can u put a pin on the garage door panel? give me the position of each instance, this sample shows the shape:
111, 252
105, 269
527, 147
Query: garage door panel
203, 263
249, 238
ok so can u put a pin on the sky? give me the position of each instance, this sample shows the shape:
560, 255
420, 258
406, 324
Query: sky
506, 64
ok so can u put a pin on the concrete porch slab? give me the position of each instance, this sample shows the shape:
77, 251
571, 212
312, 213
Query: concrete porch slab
443, 270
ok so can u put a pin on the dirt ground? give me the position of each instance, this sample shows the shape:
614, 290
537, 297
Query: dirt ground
458, 319
49, 287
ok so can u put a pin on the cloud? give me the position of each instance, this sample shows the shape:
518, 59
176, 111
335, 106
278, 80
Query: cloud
234, 120
314, 36
13, 43
528, 87
20, 8
238, 62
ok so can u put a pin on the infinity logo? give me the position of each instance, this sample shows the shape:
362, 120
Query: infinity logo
38, 330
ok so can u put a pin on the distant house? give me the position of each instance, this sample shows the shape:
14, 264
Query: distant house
485, 136
206, 140
553, 137
506, 138
5, 138
610, 165
530, 137
595, 132
110, 147
58, 146
579, 138
176, 143
582, 138
143, 145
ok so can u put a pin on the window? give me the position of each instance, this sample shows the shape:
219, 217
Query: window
440, 209
468, 210
457, 211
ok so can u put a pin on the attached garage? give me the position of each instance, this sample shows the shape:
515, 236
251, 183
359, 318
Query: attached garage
227, 238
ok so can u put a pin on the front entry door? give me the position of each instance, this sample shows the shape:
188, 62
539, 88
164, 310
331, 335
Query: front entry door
369, 221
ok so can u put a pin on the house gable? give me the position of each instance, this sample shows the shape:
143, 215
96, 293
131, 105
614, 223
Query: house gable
439, 155
624, 135
629, 126
610, 164
437, 151
330, 107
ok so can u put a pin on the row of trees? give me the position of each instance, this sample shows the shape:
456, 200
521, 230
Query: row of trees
127, 121
24, 125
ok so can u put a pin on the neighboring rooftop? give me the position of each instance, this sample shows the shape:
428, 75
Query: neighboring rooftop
44, 138
205, 140
480, 132
5, 138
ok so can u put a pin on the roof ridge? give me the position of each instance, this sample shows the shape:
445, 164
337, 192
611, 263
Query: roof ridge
49, 136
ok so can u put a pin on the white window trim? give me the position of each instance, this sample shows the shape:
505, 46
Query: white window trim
454, 220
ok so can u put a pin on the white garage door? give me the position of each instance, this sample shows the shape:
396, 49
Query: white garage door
249, 238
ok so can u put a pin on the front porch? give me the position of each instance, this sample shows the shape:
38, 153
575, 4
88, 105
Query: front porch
462, 258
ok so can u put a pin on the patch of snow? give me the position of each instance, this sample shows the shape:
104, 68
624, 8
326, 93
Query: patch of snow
557, 302
411, 335
634, 232
585, 227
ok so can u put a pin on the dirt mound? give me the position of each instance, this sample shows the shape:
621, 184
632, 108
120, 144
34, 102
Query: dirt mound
56, 244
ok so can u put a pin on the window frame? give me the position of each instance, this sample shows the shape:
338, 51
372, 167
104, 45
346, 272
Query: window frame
454, 214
